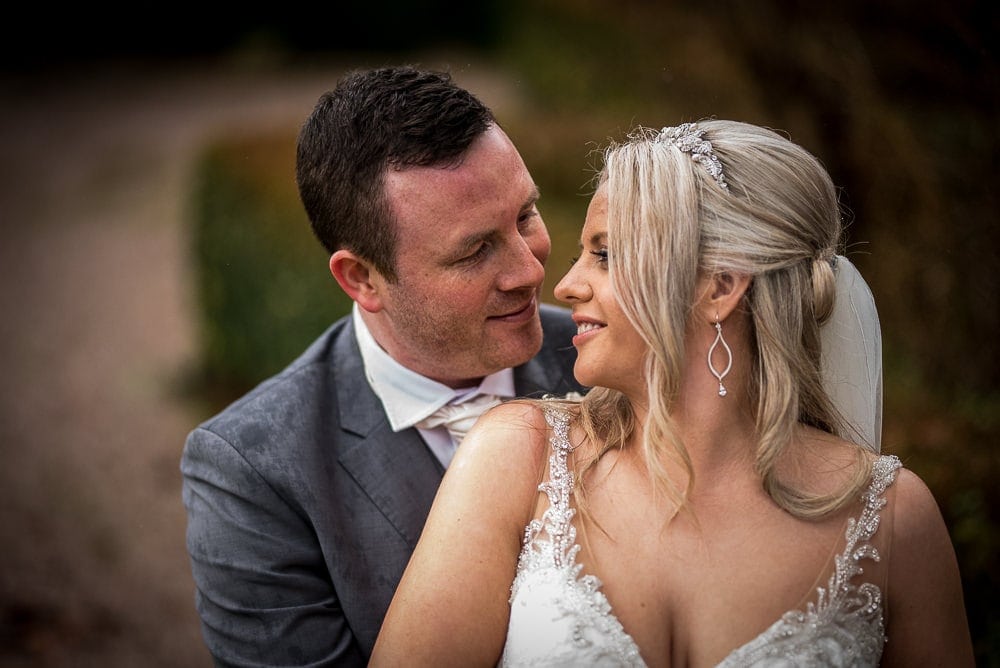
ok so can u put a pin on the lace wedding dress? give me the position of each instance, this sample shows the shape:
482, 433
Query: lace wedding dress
561, 618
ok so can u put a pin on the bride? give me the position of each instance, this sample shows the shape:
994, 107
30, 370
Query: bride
709, 502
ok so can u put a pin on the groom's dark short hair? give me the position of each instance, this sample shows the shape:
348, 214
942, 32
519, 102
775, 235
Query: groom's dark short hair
374, 120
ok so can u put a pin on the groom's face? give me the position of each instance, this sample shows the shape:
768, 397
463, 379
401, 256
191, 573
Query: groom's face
471, 250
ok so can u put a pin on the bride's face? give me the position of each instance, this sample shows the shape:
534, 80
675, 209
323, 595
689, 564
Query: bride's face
609, 350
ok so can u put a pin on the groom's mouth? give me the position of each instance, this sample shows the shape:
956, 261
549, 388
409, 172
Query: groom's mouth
519, 315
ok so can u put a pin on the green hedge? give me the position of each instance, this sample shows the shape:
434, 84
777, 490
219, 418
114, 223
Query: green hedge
263, 286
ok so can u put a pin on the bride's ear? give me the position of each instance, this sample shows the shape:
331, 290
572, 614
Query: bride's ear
719, 294
356, 276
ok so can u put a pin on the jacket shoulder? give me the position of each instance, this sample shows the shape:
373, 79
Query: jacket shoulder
302, 388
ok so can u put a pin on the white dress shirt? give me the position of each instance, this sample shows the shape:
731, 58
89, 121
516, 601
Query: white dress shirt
408, 397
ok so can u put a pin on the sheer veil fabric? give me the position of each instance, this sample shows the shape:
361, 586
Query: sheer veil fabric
852, 357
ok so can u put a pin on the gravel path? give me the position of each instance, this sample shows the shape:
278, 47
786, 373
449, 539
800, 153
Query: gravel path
95, 332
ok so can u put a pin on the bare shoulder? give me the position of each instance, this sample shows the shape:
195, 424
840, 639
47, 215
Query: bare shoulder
460, 573
504, 454
916, 515
927, 623
514, 430
921, 552
510, 417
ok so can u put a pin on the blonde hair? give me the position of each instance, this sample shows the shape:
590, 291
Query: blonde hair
779, 221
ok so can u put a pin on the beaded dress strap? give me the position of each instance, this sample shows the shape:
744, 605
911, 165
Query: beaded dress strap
859, 533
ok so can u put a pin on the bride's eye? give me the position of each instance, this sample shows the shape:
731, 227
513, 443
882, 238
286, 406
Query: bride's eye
602, 255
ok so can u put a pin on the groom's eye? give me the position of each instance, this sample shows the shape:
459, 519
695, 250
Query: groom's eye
476, 255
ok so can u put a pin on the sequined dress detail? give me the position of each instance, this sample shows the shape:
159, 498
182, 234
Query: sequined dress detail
560, 617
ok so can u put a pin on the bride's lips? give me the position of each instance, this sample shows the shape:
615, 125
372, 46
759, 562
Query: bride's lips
523, 314
585, 328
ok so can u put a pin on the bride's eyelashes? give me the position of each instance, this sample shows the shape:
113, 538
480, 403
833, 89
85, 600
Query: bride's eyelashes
602, 256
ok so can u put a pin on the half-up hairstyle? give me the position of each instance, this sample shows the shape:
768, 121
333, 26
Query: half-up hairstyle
774, 217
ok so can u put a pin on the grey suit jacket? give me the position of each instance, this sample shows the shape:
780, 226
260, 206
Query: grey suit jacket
304, 506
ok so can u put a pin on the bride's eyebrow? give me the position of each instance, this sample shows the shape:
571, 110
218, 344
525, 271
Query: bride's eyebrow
598, 239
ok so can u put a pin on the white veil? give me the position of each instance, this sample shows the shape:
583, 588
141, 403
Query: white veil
852, 356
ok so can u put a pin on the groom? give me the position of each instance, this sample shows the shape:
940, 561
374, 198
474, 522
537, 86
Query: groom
306, 497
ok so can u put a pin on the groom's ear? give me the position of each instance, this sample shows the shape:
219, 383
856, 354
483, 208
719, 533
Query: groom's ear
359, 279
721, 293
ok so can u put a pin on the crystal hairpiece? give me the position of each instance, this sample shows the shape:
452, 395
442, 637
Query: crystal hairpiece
687, 138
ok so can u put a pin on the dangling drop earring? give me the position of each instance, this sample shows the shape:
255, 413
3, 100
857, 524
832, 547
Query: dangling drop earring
729, 353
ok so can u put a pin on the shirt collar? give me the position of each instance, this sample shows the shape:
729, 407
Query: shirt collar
407, 396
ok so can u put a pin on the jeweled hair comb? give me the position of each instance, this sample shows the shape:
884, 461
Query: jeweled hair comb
687, 138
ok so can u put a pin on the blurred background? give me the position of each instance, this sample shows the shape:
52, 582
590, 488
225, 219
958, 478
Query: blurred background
156, 262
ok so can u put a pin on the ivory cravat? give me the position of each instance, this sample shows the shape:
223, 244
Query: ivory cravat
459, 418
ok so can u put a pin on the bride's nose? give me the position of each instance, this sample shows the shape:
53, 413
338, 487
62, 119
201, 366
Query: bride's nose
572, 287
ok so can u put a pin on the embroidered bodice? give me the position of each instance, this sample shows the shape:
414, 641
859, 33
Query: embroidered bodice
560, 617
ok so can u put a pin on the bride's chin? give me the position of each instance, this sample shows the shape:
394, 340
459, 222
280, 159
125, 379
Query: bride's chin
587, 377
581, 375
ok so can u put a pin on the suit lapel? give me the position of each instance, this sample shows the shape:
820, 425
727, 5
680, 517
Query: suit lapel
396, 470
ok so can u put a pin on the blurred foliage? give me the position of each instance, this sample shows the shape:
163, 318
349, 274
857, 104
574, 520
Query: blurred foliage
264, 291
900, 102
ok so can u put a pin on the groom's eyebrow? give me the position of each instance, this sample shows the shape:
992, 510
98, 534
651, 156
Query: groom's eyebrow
532, 199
